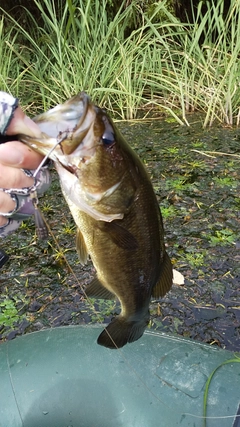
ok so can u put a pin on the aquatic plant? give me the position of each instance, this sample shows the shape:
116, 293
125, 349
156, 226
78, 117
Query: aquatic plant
236, 359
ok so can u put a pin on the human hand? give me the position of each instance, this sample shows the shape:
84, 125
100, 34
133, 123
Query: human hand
17, 164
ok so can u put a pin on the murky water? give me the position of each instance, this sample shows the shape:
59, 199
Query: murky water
199, 196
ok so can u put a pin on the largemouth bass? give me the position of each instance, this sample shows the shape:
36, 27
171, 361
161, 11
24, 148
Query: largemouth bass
112, 201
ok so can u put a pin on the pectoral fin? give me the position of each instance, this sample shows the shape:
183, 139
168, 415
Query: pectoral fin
119, 235
81, 248
97, 290
164, 283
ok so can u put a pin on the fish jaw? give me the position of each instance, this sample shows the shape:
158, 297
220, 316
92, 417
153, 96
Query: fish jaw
64, 117
71, 132
65, 128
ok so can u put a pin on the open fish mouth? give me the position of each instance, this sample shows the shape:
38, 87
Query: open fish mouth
66, 129
64, 117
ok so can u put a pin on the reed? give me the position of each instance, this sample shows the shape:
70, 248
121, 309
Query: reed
164, 64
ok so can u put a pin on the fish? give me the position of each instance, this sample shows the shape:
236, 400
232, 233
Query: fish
112, 201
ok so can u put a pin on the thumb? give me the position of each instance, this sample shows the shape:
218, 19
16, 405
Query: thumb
16, 154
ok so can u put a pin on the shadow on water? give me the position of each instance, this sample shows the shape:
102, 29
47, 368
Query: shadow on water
199, 197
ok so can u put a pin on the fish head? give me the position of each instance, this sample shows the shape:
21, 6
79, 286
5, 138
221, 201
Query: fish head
89, 154
57, 125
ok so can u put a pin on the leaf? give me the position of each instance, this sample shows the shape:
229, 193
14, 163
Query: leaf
178, 278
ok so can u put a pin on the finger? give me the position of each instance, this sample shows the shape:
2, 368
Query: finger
18, 155
11, 177
21, 123
3, 221
7, 204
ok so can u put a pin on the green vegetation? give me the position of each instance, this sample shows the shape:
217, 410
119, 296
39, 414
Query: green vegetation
225, 181
100, 309
178, 185
157, 63
223, 237
168, 211
9, 314
236, 359
195, 259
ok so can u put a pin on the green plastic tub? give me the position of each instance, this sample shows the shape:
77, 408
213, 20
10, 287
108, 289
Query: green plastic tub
62, 378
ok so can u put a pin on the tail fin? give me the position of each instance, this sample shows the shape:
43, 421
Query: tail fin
120, 331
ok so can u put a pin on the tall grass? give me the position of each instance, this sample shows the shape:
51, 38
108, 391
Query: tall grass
8, 62
163, 64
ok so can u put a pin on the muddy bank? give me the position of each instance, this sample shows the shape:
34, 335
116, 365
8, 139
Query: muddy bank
199, 197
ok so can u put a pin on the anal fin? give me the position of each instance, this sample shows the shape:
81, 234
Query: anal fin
165, 281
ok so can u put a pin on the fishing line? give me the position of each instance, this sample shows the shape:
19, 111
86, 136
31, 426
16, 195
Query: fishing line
47, 156
40, 222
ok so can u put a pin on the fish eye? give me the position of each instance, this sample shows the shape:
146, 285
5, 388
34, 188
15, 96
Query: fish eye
107, 140
108, 137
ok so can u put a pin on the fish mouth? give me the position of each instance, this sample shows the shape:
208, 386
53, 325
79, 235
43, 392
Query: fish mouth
64, 117
63, 129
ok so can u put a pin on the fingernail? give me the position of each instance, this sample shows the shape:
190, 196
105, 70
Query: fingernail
10, 157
